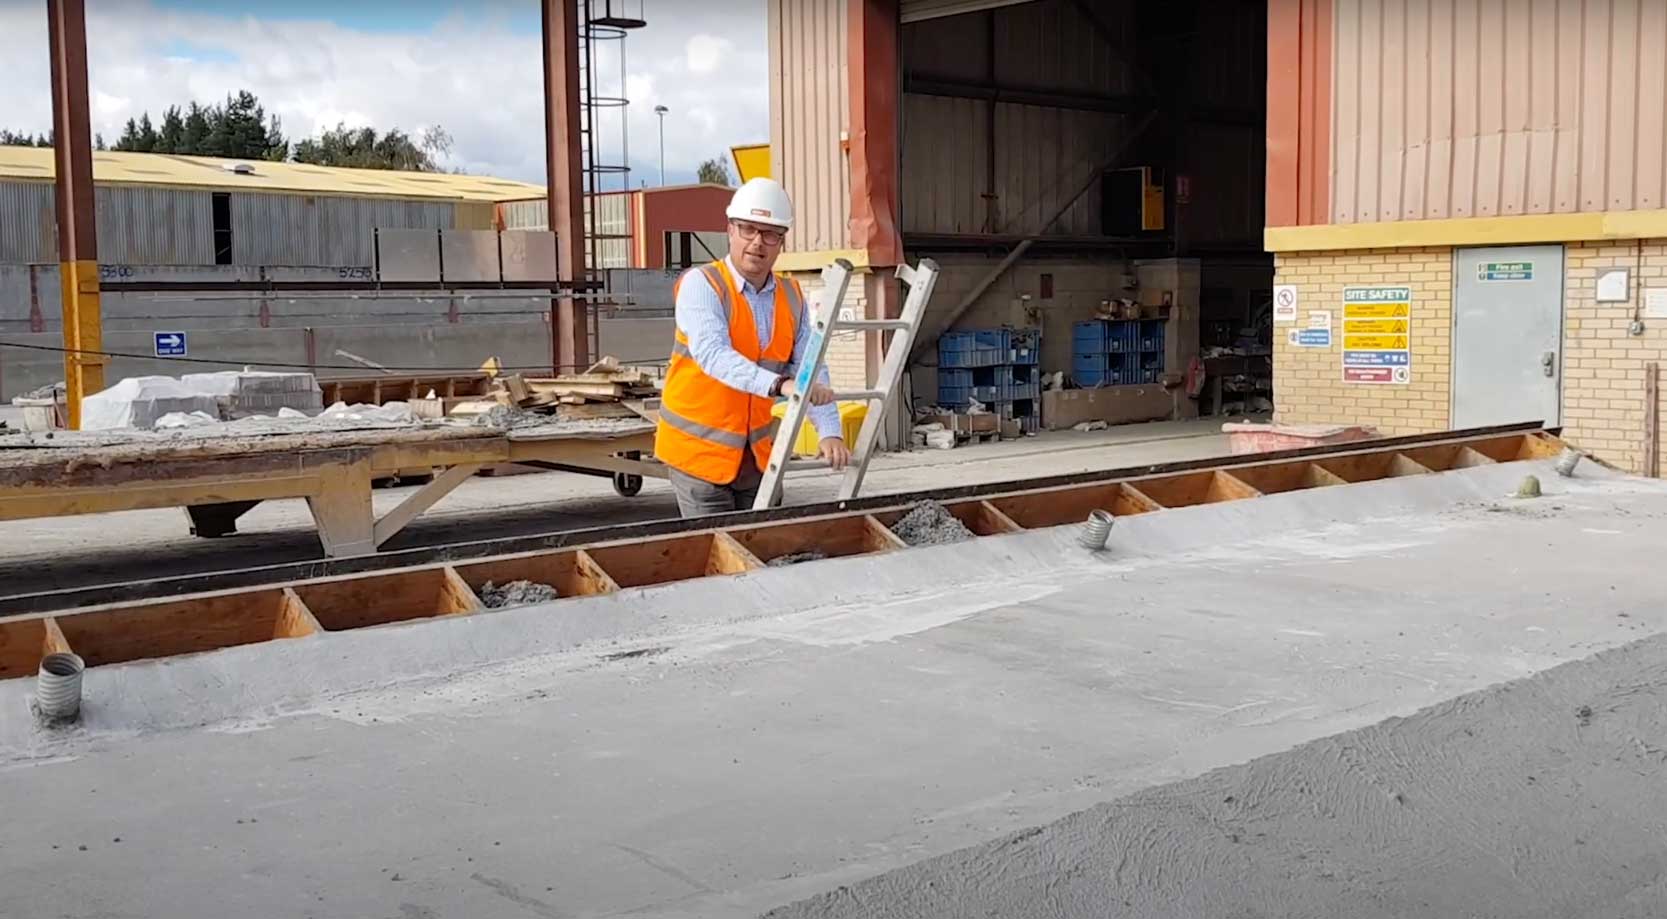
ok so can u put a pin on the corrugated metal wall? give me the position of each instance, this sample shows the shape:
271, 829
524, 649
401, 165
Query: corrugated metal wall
28, 225
136, 225
1477, 108
140, 225
1041, 155
272, 229
809, 107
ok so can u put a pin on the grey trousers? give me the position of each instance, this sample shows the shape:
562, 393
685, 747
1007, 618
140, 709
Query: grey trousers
697, 497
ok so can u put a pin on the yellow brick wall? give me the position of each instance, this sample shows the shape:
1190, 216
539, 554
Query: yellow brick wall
1603, 363
1308, 385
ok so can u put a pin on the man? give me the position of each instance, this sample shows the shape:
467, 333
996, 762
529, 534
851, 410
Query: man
741, 335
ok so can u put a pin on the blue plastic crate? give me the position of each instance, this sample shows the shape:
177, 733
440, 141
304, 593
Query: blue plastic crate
955, 378
1089, 363
1151, 334
954, 396
1024, 346
995, 339
985, 393
974, 358
1090, 337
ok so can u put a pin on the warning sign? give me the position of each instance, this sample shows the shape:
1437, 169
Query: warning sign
1377, 340
1379, 326
1284, 303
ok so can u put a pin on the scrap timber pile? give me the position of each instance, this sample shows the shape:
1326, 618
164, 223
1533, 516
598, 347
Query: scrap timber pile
604, 390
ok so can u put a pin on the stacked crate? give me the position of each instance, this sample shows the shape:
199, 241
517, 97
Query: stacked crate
997, 367
1117, 352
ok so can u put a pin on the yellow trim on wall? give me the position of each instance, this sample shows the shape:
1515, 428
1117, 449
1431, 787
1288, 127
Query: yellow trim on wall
1469, 231
820, 259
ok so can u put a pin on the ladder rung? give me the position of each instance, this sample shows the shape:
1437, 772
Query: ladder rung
861, 395
806, 463
874, 324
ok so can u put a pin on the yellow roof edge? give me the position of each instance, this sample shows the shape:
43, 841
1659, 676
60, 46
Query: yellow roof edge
1469, 231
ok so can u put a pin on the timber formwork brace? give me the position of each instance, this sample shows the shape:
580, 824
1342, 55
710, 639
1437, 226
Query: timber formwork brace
588, 563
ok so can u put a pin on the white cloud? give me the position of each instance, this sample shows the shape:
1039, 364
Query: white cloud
706, 53
473, 74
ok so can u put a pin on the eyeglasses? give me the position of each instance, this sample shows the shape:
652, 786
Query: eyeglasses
750, 232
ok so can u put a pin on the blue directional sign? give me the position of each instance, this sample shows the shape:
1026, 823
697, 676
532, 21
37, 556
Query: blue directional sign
170, 344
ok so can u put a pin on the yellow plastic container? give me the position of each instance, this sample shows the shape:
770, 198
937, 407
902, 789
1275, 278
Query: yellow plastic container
851, 415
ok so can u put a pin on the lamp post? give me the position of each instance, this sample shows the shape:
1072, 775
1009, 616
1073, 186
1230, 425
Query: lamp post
661, 111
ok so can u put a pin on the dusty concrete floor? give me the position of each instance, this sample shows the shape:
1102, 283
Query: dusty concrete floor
56, 552
789, 732
1540, 797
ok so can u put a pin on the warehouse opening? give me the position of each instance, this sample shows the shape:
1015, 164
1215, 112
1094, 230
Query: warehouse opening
1090, 176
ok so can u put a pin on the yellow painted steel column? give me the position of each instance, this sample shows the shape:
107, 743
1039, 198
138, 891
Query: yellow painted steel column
72, 153
83, 335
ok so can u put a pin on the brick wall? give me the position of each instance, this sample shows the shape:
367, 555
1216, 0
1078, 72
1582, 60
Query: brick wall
1308, 385
847, 362
1603, 363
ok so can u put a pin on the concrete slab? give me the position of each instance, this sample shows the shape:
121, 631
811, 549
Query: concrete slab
723, 746
1539, 797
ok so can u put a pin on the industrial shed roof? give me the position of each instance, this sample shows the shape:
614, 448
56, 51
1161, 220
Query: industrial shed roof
121, 168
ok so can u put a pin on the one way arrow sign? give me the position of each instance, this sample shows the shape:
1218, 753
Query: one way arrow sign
170, 344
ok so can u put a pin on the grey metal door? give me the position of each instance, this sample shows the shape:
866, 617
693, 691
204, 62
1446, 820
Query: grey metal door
1507, 335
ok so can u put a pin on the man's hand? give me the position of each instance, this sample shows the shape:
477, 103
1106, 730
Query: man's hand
818, 395
835, 452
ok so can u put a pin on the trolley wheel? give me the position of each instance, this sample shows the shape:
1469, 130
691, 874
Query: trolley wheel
627, 485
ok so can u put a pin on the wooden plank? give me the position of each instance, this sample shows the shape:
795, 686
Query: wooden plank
1057, 506
832, 536
1469, 458
423, 499
1317, 476
880, 536
342, 510
23, 642
1402, 465
113, 635
54, 641
355, 602
655, 561
993, 522
729, 556
1225, 486
456, 596
589, 410
1131, 500
294, 619
1540, 446
589, 577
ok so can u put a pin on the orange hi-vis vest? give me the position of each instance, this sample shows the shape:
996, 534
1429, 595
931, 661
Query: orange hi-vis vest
706, 427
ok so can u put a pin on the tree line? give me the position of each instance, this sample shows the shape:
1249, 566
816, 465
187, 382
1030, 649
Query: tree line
239, 128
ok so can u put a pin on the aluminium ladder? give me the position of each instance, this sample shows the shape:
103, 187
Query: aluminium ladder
825, 322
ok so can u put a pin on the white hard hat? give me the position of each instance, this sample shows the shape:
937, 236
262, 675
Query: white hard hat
761, 201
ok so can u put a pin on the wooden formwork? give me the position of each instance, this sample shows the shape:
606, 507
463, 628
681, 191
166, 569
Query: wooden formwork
121, 632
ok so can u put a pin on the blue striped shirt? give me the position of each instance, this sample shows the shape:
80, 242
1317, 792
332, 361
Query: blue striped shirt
700, 317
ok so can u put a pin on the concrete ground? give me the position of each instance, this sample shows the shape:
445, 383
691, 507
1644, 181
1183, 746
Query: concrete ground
54, 552
727, 745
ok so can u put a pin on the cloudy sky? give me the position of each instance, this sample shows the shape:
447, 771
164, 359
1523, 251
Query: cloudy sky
473, 68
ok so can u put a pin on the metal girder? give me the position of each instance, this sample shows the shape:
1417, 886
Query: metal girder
570, 342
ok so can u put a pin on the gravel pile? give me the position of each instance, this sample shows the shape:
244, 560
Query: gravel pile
931, 524
793, 558
516, 593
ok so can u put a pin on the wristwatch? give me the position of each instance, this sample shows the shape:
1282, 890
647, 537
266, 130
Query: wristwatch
775, 388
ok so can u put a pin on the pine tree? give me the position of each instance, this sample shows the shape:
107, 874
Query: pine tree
172, 135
